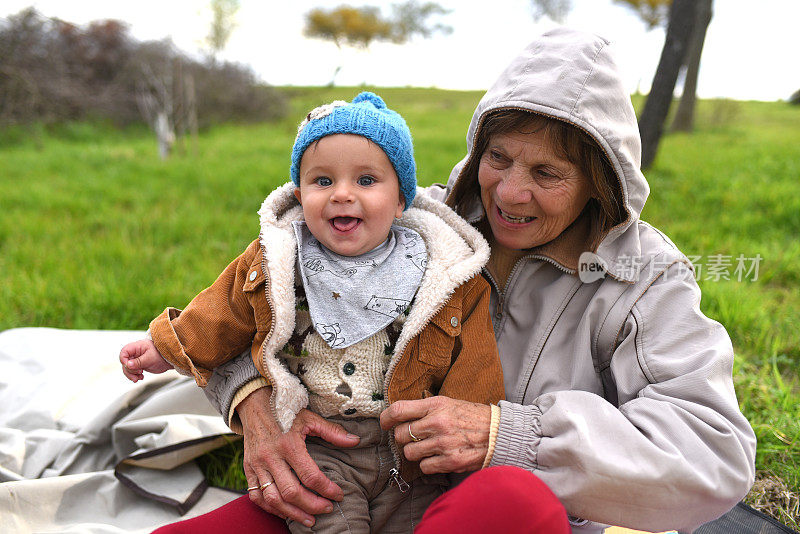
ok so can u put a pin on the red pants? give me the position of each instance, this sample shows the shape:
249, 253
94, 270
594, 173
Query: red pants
498, 499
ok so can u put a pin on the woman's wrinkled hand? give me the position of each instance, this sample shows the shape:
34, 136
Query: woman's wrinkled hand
282, 463
453, 435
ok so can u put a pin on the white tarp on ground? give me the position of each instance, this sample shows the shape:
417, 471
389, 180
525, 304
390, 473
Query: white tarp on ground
84, 450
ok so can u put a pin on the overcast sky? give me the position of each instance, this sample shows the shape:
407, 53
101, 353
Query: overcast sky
751, 49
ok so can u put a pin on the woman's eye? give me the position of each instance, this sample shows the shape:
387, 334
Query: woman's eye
324, 181
496, 159
366, 180
545, 173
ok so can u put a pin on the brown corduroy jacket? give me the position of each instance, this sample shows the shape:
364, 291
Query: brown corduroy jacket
446, 347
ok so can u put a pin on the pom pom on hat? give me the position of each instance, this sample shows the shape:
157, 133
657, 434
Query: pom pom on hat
367, 116
367, 96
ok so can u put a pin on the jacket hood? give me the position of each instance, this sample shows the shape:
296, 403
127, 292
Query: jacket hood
456, 253
572, 76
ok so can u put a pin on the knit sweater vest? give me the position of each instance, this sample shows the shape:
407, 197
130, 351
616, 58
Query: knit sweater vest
346, 382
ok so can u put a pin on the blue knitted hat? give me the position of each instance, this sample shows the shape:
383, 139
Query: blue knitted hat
368, 117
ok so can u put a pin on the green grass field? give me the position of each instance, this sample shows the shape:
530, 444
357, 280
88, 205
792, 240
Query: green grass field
97, 232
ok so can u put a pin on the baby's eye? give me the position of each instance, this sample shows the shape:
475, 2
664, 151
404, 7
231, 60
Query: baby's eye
366, 180
323, 181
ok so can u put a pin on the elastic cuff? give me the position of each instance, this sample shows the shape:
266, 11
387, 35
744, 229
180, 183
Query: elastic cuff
518, 436
494, 424
169, 346
234, 422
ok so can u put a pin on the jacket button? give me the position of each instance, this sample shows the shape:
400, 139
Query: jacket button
349, 368
253, 275
454, 322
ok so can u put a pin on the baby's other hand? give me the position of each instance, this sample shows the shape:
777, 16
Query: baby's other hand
141, 356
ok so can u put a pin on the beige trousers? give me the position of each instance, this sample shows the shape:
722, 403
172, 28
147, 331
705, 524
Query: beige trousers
372, 501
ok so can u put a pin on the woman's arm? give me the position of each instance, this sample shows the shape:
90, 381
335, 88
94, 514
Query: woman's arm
677, 453
271, 456
474, 380
237, 392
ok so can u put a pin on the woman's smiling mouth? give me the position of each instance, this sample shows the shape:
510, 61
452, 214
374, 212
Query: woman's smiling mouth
512, 219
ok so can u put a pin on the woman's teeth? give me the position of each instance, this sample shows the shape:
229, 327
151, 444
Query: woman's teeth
512, 219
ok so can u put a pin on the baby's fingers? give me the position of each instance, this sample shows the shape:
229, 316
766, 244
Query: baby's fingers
132, 375
130, 359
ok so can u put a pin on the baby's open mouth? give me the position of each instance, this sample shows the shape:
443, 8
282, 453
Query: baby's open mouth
345, 224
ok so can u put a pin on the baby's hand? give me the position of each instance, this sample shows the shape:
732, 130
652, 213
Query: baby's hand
141, 356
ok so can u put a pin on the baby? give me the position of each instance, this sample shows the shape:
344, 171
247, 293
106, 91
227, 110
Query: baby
351, 298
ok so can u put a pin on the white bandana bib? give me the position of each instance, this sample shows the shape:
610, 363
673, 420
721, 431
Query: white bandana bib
352, 298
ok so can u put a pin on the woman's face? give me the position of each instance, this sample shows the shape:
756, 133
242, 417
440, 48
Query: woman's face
530, 193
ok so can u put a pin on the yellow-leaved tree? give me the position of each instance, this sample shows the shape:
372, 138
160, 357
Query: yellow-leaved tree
358, 27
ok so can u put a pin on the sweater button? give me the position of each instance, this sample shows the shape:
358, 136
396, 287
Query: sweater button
454, 322
253, 275
349, 368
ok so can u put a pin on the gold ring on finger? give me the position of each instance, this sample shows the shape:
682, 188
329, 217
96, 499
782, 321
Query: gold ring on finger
413, 437
262, 487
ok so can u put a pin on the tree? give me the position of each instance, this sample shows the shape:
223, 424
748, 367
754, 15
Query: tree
655, 13
652, 12
346, 25
411, 18
53, 71
651, 122
556, 10
223, 13
358, 27
684, 116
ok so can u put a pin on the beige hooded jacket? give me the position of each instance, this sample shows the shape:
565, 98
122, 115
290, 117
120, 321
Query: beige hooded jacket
671, 450
619, 390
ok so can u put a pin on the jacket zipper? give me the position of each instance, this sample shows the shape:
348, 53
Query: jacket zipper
264, 369
401, 484
395, 472
501, 294
552, 262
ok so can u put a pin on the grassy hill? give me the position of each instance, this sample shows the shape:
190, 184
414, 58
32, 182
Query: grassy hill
96, 232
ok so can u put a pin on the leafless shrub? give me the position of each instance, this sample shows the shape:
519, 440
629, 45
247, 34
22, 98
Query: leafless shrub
52, 71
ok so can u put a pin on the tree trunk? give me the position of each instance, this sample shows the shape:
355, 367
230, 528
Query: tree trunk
191, 109
651, 123
684, 116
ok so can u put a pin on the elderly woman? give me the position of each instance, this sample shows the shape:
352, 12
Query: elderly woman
619, 390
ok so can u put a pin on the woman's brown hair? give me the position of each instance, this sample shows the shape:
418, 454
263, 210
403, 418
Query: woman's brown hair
605, 208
